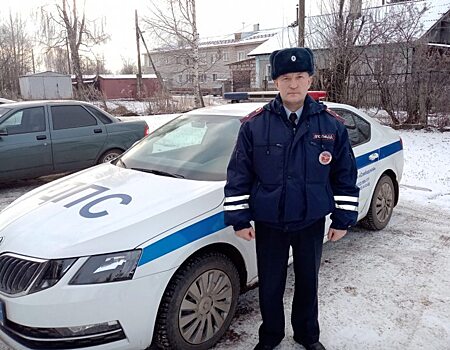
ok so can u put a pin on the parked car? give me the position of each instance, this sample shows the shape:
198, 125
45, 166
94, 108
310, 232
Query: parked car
135, 251
46, 137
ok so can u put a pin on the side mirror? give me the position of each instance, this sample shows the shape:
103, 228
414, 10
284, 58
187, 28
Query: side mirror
3, 132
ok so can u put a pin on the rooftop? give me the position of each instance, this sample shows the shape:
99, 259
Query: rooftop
428, 12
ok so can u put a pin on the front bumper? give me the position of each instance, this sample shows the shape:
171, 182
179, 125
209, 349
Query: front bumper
132, 306
48, 338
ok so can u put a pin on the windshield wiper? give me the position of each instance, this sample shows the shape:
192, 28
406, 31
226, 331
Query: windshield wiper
159, 172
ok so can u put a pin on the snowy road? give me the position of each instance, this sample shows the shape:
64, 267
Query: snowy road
378, 290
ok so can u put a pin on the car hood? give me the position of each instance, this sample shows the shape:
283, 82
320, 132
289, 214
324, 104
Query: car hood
100, 210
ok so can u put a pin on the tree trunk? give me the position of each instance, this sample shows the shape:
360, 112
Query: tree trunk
76, 65
198, 98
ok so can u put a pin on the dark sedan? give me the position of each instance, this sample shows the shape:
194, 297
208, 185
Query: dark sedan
46, 137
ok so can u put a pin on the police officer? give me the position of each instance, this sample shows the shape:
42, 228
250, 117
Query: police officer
291, 166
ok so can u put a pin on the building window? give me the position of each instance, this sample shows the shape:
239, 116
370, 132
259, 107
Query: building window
225, 56
214, 76
167, 60
268, 76
178, 60
213, 58
180, 78
241, 55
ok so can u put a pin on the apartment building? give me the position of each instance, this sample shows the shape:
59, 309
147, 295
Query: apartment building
216, 55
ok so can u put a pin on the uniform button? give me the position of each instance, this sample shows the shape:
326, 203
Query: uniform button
289, 177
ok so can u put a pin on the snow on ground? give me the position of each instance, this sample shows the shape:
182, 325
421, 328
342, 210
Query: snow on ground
378, 290
388, 289
426, 177
178, 102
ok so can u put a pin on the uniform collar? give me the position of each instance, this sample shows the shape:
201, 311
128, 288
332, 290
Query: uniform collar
310, 107
298, 112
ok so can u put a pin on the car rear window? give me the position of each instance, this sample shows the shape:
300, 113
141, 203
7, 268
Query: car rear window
99, 114
68, 117
358, 129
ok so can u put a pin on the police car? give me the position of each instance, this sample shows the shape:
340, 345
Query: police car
135, 252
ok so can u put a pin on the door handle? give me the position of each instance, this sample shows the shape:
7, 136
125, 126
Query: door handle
373, 156
41, 137
98, 131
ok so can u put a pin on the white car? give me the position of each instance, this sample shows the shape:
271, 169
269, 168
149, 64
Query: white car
135, 252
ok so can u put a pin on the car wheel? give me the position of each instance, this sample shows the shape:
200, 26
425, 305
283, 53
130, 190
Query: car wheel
198, 303
381, 205
109, 155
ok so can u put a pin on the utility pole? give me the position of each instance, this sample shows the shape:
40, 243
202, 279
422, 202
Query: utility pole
139, 73
32, 60
301, 23
158, 75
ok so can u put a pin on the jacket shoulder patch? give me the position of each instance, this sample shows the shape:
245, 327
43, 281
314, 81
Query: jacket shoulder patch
252, 114
335, 115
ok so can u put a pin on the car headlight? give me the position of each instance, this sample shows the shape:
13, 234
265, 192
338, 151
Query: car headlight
108, 268
53, 271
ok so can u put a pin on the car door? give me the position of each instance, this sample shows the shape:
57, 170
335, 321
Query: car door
25, 145
78, 137
366, 153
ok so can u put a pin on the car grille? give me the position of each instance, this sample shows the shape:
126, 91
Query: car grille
16, 274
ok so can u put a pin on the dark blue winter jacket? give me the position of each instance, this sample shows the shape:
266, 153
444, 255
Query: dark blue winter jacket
284, 176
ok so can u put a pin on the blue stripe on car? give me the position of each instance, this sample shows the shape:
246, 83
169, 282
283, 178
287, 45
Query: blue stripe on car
183, 237
215, 222
383, 152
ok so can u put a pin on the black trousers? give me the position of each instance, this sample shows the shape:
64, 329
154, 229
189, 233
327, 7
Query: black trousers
272, 250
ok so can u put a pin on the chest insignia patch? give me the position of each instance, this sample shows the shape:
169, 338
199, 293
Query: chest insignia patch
325, 158
325, 137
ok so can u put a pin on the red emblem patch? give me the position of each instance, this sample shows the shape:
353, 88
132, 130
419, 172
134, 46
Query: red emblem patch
325, 158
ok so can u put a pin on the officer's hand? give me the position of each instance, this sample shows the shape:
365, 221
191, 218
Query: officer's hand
335, 234
246, 233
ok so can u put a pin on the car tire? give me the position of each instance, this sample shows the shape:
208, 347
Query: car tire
109, 155
198, 304
381, 205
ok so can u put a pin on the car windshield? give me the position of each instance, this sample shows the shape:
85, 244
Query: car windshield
196, 147
3, 111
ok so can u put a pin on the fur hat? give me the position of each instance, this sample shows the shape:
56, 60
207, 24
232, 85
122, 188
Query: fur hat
291, 60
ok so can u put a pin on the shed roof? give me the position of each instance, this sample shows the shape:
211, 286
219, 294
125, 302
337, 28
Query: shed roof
126, 76
115, 76
46, 74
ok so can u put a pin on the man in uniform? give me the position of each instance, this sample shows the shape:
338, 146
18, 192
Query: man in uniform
292, 165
